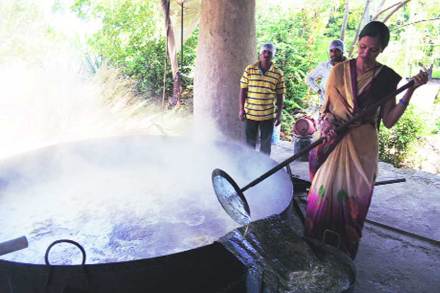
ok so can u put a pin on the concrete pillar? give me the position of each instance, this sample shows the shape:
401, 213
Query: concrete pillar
226, 45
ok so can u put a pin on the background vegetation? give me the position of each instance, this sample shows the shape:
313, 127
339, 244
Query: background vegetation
131, 37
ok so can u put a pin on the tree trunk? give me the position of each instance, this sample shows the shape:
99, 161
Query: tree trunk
362, 22
226, 45
344, 23
172, 55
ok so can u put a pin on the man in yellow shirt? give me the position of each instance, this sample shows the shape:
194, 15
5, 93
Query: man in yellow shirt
262, 92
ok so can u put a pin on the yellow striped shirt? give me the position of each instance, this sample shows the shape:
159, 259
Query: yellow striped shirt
262, 91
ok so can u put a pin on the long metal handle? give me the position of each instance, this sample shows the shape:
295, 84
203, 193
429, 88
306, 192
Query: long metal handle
13, 245
391, 181
283, 164
340, 129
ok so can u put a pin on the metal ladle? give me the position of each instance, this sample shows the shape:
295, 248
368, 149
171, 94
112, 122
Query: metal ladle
231, 196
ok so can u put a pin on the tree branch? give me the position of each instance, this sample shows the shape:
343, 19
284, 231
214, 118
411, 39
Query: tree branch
418, 21
395, 9
344, 23
386, 9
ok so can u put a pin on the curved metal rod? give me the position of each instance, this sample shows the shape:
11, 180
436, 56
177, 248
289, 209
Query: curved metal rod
83, 252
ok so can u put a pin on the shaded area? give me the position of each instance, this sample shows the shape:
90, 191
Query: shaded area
280, 260
207, 269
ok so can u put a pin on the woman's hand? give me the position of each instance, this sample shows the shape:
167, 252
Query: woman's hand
420, 79
328, 130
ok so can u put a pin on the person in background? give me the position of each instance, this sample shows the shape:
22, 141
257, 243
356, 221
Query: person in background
262, 92
343, 169
317, 78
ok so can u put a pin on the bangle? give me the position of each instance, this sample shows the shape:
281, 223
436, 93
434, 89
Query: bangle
403, 102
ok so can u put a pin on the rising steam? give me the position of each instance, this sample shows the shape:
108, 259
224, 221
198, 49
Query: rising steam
124, 197
49, 94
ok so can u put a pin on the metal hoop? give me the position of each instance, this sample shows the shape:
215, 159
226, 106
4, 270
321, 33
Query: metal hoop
46, 256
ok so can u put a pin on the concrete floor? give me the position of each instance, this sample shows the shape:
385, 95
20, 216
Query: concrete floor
389, 261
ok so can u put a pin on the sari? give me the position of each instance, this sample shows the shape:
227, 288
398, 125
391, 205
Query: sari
343, 171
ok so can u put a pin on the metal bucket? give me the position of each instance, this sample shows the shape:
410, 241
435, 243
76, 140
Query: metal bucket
301, 142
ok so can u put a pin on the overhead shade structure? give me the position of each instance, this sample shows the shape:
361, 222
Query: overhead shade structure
180, 17
184, 22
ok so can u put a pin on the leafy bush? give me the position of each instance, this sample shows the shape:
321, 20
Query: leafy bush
395, 144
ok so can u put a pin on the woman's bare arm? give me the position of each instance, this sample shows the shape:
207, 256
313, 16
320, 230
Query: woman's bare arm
392, 111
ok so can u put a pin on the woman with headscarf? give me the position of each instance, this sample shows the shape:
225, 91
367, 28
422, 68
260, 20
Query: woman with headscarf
344, 168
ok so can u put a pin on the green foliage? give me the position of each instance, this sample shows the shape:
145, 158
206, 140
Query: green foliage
131, 38
437, 126
336, 18
286, 124
415, 33
128, 40
189, 57
395, 144
80, 8
302, 38
290, 32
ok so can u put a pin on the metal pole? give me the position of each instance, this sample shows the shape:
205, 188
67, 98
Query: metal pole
13, 245
181, 35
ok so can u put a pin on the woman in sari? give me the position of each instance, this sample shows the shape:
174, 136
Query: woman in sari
344, 167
